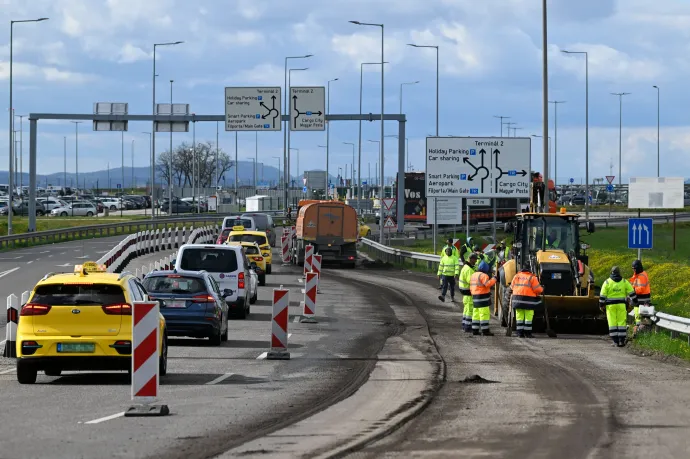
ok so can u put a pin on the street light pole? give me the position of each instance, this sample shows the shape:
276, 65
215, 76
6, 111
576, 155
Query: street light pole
545, 98
401, 92
11, 113
153, 129
658, 136
586, 128
122, 168
382, 107
64, 173
555, 140
170, 163
297, 150
352, 173
286, 110
620, 133
501, 118
152, 166
76, 152
278, 180
328, 129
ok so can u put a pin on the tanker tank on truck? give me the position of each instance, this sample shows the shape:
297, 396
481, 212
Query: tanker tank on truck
329, 226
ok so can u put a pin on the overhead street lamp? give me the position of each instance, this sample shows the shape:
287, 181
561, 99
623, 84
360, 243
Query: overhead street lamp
352, 172
11, 116
658, 137
586, 127
359, 154
620, 133
153, 128
382, 106
555, 146
76, 152
515, 129
502, 123
401, 92
437, 75
286, 110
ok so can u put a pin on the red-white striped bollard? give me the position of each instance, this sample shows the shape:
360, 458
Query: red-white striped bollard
310, 290
285, 249
316, 267
146, 352
11, 329
308, 255
279, 325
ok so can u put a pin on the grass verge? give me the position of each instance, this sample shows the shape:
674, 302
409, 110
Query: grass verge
662, 342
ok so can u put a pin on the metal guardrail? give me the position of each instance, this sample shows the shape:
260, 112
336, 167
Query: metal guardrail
675, 324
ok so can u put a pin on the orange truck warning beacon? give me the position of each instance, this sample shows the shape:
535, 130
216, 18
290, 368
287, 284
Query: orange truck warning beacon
331, 227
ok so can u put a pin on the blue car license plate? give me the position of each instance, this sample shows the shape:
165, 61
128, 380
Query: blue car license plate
76, 348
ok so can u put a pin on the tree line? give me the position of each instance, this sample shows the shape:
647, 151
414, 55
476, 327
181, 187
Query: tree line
208, 164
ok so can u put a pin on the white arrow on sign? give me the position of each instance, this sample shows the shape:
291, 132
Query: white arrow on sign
646, 228
639, 235
634, 233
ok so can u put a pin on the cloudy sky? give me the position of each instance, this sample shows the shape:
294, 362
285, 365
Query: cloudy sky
490, 64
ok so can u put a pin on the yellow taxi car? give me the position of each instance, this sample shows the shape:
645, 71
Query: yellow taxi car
363, 230
253, 253
238, 234
80, 321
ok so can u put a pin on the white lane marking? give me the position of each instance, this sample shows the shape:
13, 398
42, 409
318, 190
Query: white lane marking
4, 372
45, 251
296, 319
219, 379
289, 335
262, 356
9, 271
50, 256
63, 265
300, 280
102, 251
83, 256
10, 258
62, 253
29, 262
302, 290
106, 418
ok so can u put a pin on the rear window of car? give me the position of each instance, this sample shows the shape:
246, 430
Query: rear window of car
259, 239
246, 222
251, 250
174, 283
207, 259
82, 294
261, 221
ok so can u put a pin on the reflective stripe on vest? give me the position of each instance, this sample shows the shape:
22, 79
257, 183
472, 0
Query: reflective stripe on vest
480, 287
640, 283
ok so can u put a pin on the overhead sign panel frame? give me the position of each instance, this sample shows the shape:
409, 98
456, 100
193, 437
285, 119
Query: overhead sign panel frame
656, 193
478, 167
253, 108
307, 108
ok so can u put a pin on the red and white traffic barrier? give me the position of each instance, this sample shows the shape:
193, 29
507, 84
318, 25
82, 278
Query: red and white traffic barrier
309, 305
146, 360
285, 249
11, 329
316, 267
279, 325
308, 255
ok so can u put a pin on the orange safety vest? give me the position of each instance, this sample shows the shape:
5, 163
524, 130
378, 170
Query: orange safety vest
640, 283
480, 287
526, 289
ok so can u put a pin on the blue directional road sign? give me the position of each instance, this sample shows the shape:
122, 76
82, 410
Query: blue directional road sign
572, 180
304, 189
609, 187
640, 233
119, 186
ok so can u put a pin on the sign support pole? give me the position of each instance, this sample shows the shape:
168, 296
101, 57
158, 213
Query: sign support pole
674, 230
493, 226
435, 218
467, 210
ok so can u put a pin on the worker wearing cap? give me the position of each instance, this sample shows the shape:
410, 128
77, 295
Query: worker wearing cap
615, 293
448, 270
465, 281
640, 282
525, 298
466, 250
456, 254
480, 287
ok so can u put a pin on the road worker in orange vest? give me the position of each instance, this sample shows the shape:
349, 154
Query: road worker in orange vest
464, 285
526, 291
640, 282
480, 287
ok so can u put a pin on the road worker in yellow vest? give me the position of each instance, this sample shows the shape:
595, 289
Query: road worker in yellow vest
465, 281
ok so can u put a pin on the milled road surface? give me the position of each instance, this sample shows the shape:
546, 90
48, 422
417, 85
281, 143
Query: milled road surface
570, 397
220, 397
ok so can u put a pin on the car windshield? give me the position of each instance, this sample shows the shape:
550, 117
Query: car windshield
251, 250
259, 239
208, 259
174, 283
560, 234
261, 220
247, 223
78, 294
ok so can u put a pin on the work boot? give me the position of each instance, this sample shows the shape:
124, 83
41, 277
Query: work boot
520, 335
468, 329
452, 298
622, 342
475, 332
442, 298
487, 333
528, 335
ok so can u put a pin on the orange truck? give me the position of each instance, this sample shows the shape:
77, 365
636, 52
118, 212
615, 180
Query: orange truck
329, 226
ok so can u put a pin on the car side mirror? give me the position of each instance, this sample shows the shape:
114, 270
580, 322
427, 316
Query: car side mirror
590, 227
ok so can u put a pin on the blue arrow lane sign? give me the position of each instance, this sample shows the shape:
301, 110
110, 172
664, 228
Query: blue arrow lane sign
640, 233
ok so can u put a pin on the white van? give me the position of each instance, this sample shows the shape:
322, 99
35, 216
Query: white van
229, 267
235, 220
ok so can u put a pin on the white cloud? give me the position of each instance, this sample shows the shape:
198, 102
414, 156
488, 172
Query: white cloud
241, 38
366, 47
29, 72
251, 9
130, 53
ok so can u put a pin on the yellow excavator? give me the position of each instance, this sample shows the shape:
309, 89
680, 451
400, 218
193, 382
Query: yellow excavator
549, 245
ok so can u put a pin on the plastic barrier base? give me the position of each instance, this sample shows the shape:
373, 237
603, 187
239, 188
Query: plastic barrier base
278, 355
147, 410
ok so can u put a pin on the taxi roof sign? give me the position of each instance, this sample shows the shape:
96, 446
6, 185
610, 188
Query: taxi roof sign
90, 267
238, 228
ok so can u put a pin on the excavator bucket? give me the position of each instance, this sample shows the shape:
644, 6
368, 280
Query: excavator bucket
575, 314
